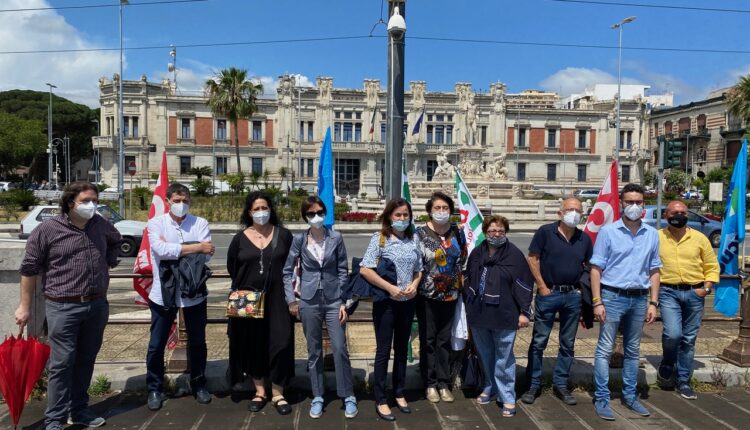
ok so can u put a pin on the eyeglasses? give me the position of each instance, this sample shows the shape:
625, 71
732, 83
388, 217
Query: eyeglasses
312, 214
495, 232
633, 202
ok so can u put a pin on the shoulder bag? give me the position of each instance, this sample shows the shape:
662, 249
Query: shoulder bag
251, 303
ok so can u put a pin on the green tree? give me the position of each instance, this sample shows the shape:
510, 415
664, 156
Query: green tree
200, 172
20, 140
254, 178
283, 173
675, 180
232, 95
738, 99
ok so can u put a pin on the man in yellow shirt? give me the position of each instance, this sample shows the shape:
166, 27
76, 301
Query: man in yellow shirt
689, 271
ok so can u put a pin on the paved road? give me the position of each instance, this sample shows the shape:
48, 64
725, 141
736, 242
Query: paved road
715, 411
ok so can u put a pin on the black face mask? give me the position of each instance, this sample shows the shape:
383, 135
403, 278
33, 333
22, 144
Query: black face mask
678, 220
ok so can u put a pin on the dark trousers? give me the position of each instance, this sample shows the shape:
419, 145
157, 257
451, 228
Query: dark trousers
75, 337
392, 321
161, 324
435, 320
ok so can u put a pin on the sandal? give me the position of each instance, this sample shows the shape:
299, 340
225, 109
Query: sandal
484, 399
282, 406
509, 412
257, 405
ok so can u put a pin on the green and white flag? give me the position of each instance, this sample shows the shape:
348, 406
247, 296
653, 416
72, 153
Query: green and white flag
405, 193
471, 217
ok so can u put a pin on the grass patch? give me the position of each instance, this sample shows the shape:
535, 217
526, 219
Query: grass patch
101, 386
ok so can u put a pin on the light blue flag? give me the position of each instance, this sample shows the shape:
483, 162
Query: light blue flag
727, 299
325, 178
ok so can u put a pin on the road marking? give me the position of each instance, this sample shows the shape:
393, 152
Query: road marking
670, 417
745, 410
484, 415
248, 420
148, 421
531, 416
296, 418
713, 417
440, 418
577, 417
198, 423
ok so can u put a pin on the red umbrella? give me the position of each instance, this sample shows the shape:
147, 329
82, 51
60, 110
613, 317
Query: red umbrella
21, 363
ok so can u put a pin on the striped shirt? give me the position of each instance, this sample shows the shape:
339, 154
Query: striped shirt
72, 262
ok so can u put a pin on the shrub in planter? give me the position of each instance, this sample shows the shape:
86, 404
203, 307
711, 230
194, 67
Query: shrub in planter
23, 198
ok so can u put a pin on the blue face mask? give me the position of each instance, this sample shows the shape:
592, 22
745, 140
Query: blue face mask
401, 225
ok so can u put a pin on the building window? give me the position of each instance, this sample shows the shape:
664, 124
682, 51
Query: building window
347, 115
440, 131
581, 139
135, 126
185, 128
582, 172
347, 177
348, 126
301, 131
429, 133
221, 129
257, 130
449, 135
522, 138
521, 171
382, 132
338, 114
310, 167
358, 115
358, 132
337, 131
185, 162
551, 172
630, 139
310, 131
221, 165
431, 166
125, 128
551, 135
483, 135
257, 166
439, 135
625, 169
621, 143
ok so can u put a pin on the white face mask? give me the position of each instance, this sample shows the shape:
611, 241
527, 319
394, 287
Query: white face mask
441, 217
633, 212
571, 219
261, 217
316, 221
179, 209
86, 210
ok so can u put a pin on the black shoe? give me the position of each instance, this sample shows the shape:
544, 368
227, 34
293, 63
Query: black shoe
530, 396
282, 405
404, 409
563, 394
257, 405
155, 400
384, 417
203, 396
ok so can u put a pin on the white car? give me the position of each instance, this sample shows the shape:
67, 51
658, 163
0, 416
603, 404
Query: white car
131, 231
4, 186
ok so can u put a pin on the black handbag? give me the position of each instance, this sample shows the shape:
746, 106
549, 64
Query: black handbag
472, 375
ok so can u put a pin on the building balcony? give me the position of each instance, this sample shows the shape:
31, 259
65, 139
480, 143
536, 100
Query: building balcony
257, 143
351, 146
583, 150
551, 149
522, 148
103, 142
222, 142
438, 146
185, 141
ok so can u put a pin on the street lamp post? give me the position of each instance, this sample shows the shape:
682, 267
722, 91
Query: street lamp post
300, 90
49, 134
120, 136
619, 26
395, 124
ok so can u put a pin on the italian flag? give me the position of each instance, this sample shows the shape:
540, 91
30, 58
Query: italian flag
471, 217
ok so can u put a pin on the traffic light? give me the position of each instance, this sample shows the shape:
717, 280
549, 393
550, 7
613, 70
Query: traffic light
673, 153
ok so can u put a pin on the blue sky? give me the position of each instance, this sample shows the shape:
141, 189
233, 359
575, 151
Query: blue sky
441, 64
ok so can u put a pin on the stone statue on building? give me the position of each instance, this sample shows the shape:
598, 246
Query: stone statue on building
372, 88
498, 90
417, 94
417, 169
471, 122
286, 88
325, 87
497, 169
444, 168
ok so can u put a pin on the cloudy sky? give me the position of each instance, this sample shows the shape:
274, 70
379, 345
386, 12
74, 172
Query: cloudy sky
673, 48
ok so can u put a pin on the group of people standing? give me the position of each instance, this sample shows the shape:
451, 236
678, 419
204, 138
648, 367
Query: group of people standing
305, 275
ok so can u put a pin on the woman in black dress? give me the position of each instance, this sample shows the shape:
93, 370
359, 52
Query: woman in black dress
262, 349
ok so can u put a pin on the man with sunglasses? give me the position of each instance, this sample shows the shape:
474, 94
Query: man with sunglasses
625, 290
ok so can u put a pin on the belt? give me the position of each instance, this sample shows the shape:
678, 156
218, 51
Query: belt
684, 287
630, 292
564, 288
76, 299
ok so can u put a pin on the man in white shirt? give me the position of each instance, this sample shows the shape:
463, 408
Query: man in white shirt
174, 235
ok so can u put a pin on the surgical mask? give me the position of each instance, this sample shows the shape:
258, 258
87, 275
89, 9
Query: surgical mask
571, 219
316, 221
86, 210
180, 209
633, 212
261, 217
678, 220
497, 241
441, 217
401, 225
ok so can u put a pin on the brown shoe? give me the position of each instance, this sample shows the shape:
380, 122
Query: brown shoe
432, 395
446, 395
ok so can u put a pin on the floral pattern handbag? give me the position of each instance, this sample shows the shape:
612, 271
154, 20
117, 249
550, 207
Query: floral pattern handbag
246, 304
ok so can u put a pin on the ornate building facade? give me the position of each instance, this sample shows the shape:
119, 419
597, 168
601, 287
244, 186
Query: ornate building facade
499, 136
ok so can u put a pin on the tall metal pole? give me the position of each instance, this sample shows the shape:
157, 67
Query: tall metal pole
659, 182
618, 26
49, 135
120, 137
395, 108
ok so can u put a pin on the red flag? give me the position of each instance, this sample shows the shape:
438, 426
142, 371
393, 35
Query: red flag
143, 260
607, 207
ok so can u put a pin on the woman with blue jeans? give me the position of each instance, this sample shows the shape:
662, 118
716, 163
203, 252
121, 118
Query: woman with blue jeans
498, 302
393, 314
320, 256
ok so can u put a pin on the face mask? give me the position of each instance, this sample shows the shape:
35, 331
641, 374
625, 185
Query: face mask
441, 217
316, 221
633, 212
678, 220
179, 209
571, 219
261, 217
497, 242
401, 225
86, 210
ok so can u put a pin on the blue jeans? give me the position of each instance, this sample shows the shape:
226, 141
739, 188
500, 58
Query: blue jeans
681, 312
495, 348
631, 311
569, 307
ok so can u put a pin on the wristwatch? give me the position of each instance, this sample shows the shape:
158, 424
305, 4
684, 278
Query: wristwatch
656, 304
707, 289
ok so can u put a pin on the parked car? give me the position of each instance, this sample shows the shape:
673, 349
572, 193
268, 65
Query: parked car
650, 193
696, 221
131, 231
4, 186
591, 193
692, 194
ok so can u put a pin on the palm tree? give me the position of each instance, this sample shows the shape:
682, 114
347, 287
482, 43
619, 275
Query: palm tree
232, 95
200, 172
738, 99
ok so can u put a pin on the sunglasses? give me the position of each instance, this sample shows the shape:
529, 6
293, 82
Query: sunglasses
312, 214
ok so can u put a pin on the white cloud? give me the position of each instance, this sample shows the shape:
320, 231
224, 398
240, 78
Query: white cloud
75, 74
574, 80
